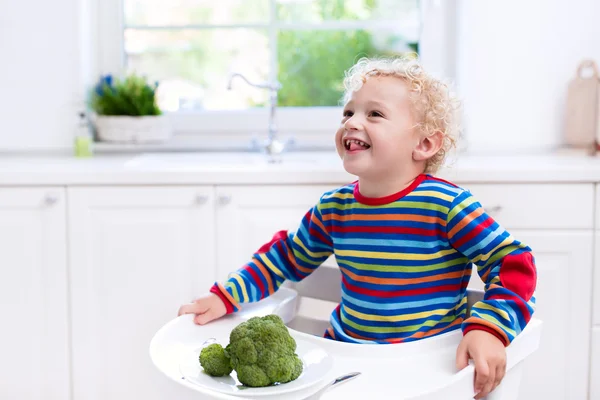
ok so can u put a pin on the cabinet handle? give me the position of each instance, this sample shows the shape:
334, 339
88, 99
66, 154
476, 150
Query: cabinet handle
494, 210
51, 199
201, 199
224, 200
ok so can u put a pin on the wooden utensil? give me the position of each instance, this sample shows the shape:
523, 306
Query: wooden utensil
582, 108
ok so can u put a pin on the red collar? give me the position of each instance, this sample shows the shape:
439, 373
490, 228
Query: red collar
378, 201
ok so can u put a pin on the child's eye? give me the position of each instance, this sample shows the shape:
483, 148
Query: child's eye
348, 113
376, 114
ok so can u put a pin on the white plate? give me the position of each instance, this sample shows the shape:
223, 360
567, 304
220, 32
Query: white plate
316, 364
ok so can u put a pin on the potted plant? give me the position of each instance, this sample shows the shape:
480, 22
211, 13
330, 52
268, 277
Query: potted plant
127, 112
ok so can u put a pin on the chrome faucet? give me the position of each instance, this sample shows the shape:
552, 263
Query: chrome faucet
272, 145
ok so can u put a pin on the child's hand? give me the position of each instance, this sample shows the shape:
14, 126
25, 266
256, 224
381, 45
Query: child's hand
489, 355
206, 308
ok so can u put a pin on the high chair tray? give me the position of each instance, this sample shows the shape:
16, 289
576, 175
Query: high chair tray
421, 370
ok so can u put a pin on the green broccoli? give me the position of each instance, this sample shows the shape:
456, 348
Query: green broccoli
262, 352
215, 361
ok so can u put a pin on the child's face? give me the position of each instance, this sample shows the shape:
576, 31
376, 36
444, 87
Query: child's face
378, 116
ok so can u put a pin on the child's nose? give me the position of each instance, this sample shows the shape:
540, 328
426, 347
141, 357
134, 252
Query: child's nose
353, 123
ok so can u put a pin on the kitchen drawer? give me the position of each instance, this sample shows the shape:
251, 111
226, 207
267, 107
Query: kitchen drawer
595, 364
537, 206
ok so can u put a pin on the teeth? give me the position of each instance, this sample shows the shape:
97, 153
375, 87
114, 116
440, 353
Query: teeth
348, 141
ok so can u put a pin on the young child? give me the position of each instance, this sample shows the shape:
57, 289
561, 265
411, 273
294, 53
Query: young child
403, 239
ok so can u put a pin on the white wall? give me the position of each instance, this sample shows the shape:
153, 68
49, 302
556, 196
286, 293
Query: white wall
515, 60
514, 63
40, 73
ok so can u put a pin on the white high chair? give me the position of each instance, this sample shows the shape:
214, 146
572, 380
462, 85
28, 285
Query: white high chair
319, 294
419, 370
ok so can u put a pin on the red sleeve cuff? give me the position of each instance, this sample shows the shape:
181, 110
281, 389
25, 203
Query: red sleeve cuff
477, 327
215, 289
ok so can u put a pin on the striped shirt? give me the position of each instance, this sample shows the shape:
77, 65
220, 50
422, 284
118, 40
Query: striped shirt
406, 261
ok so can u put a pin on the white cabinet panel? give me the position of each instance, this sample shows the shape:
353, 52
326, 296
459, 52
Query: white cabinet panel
34, 338
537, 206
596, 283
136, 255
560, 368
595, 367
249, 216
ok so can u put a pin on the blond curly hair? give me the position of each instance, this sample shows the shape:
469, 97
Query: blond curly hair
436, 107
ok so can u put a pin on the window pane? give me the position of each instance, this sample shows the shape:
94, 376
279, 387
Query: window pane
192, 66
312, 63
184, 12
335, 10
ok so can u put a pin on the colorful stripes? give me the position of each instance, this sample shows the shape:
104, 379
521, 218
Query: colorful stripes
405, 262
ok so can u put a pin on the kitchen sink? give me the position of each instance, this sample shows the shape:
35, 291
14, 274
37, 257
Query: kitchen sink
192, 160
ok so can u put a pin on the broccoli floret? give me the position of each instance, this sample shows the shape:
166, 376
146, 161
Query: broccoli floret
297, 368
262, 352
215, 361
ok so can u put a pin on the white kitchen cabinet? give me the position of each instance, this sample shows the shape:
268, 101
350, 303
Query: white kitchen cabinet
34, 338
595, 365
595, 351
527, 206
560, 368
596, 284
561, 236
249, 216
136, 255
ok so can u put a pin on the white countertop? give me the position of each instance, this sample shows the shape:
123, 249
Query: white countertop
252, 168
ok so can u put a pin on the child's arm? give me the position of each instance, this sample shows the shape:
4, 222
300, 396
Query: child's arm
288, 256
505, 265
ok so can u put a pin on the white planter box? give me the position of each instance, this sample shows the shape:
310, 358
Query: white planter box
126, 129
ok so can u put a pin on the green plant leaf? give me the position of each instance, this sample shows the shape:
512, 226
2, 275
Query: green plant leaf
131, 96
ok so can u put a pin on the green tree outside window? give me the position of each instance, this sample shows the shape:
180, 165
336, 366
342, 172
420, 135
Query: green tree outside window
312, 63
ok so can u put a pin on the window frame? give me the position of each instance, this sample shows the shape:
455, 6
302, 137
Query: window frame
310, 127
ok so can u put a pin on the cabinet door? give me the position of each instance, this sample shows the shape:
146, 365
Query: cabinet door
136, 255
34, 346
596, 283
560, 368
595, 350
595, 364
248, 217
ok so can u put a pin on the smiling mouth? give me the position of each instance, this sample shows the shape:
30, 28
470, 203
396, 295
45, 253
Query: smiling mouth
353, 144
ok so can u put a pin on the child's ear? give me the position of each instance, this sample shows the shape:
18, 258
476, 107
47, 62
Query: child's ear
428, 146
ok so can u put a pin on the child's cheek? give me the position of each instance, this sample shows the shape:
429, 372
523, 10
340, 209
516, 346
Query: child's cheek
338, 142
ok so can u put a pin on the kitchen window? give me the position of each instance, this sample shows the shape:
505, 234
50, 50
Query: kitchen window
192, 46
